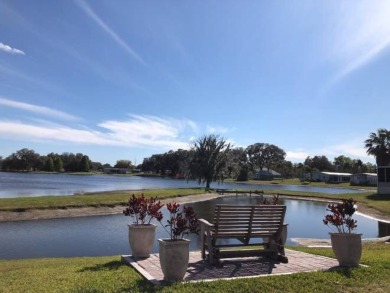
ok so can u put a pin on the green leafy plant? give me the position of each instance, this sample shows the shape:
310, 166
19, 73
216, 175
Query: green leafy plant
340, 218
143, 210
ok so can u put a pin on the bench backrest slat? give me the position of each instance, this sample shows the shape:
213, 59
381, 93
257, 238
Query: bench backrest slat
248, 221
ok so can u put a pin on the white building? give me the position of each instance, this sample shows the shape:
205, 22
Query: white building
364, 179
331, 177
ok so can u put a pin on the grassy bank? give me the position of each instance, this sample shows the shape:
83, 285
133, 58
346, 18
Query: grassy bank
108, 199
108, 274
297, 181
119, 198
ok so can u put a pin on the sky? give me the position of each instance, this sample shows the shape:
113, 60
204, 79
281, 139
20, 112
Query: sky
123, 80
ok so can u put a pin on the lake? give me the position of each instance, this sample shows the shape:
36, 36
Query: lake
34, 184
107, 235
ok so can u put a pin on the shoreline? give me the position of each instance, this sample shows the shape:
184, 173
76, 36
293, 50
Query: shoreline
40, 214
46, 214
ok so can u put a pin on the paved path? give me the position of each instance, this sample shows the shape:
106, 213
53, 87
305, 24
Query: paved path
199, 270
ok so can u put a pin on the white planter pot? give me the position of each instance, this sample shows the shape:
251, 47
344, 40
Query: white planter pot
174, 257
141, 239
347, 248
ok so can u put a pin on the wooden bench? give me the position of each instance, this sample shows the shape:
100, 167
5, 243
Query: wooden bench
256, 229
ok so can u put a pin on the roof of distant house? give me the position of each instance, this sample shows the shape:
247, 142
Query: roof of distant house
337, 173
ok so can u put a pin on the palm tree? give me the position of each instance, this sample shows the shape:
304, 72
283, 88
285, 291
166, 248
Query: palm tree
208, 160
378, 145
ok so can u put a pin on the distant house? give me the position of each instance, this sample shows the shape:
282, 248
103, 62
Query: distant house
331, 177
364, 179
265, 174
383, 180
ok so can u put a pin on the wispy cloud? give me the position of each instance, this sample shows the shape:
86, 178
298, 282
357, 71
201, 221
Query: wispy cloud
360, 33
36, 109
88, 10
10, 50
217, 129
137, 131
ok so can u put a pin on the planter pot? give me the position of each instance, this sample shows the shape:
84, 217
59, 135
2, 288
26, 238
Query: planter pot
174, 257
347, 248
141, 239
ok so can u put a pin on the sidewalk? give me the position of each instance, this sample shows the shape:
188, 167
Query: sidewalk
199, 270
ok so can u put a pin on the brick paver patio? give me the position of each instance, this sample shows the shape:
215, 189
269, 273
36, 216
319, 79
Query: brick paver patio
199, 270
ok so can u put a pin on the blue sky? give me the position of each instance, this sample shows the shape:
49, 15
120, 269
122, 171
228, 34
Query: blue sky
128, 79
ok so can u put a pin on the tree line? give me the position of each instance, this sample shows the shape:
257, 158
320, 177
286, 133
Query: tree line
241, 163
28, 160
209, 159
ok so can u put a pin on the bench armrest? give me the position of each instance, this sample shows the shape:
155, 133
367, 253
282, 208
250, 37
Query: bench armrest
206, 223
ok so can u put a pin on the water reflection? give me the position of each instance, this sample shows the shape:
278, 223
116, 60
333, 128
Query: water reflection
107, 235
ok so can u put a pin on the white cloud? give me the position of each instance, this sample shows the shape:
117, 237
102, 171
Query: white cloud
88, 10
8, 49
360, 32
138, 131
36, 109
296, 156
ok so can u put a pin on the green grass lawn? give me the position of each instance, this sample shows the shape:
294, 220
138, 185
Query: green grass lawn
119, 198
108, 274
112, 198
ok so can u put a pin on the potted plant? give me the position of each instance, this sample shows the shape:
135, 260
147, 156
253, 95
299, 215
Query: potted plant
174, 251
346, 245
141, 231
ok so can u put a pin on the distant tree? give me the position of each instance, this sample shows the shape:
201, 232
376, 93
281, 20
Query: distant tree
343, 163
243, 174
262, 155
23, 160
209, 159
125, 164
273, 155
320, 163
85, 164
369, 168
378, 145
49, 166
58, 165
285, 168
96, 166
236, 160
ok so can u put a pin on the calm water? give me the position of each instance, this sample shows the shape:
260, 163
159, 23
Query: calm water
32, 184
107, 235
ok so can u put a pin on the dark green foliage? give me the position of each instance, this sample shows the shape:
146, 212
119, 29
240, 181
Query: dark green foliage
58, 165
378, 145
49, 166
243, 175
84, 164
209, 159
